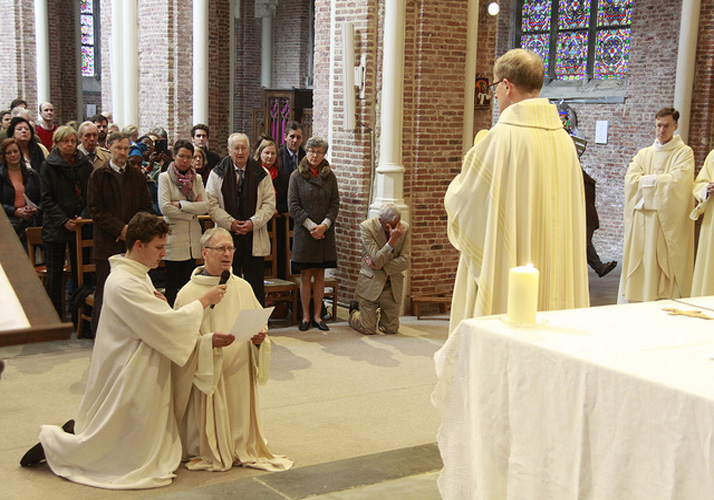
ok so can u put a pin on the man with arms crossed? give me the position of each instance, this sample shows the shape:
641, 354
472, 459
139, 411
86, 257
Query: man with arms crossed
658, 257
519, 199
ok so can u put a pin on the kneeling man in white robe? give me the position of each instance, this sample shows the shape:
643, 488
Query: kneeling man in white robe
216, 395
126, 432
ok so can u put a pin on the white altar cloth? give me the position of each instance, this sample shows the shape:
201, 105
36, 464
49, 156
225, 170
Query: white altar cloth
611, 402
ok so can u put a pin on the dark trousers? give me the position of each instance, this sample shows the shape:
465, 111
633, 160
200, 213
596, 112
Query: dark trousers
55, 256
102, 274
593, 258
178, 272
252, 269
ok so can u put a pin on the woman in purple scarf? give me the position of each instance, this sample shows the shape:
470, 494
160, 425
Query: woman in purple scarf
181, 199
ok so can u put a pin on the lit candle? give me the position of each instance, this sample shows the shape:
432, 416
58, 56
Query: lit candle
523, 295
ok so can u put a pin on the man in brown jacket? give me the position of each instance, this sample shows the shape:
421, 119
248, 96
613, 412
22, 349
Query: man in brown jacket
116, 192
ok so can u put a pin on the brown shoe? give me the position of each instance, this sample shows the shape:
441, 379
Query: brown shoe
606, 268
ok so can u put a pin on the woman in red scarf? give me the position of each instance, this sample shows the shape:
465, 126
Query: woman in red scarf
181, 199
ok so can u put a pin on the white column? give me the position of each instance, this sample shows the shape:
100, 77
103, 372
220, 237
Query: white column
117, 62
470, 76
686, 59
200, 61
265, 11
131, 63
42, 46
390, 171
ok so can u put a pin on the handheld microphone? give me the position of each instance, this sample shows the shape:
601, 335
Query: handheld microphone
224, 278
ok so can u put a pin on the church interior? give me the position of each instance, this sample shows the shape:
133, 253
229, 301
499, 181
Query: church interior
399, 89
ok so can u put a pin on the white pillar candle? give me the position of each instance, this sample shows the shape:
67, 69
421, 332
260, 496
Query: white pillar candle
523, 295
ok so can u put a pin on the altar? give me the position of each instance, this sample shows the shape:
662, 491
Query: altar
607, 402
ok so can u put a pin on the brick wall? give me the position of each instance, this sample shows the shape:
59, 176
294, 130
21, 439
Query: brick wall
219, 74
486, 55
701, 130
291, 32
247, 67
651, 77
64, 51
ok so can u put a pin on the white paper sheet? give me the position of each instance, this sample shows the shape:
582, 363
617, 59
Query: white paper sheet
13, 316
249, 322
29, 203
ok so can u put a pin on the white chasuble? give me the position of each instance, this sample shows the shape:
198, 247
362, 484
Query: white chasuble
217, 405
519, 199
126, 433
658, 254
703, 280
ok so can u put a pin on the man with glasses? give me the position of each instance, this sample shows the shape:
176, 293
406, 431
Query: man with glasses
659, 235
241, 199
218, 413
518, 200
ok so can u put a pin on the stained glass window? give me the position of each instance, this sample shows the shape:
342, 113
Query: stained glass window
86, 23
86, 6
571, 55
536, 15
612, 52
577, 39
574, 14
540, 44
87, 35
614, 12
87, 61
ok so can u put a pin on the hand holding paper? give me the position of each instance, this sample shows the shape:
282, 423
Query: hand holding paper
250, 322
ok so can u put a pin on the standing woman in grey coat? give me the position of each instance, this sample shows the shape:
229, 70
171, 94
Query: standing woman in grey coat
313, 201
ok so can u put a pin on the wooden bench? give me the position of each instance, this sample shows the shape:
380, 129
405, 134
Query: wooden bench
442, 299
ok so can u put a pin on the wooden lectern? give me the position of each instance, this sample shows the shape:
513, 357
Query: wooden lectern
45, 324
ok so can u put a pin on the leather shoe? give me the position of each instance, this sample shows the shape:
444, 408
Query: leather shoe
354, 306
304, 326
321, 325
606, 268
36, 454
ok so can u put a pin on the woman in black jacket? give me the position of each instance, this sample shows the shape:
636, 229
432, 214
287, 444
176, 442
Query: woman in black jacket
33, 154
63, 186
17, 186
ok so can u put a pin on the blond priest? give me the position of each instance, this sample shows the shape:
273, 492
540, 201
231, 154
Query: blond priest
216, 395
126, 433
659, 235
703, 281
519, 199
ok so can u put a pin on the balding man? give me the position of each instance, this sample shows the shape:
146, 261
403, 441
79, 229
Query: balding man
89, 142
519, 199
242, 200
45, 126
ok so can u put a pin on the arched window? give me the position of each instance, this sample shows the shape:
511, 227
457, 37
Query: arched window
577, 39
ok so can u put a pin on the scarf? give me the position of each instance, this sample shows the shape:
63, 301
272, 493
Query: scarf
184, 181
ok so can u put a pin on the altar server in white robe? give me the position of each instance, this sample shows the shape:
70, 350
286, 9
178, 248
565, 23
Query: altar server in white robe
519, 199
703, 281
126, 432
658, 255
217, 398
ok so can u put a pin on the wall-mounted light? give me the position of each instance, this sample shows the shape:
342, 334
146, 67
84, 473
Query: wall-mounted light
488, 9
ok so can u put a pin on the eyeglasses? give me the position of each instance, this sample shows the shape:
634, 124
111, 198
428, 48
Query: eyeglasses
223, 249
492, 87
315, 152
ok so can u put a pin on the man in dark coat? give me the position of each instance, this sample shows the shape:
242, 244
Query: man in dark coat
291, 153
117, 192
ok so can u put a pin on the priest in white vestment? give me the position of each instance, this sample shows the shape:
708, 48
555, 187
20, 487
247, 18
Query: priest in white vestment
658, 255
126, 432
519, 199
703, 281
216, 395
